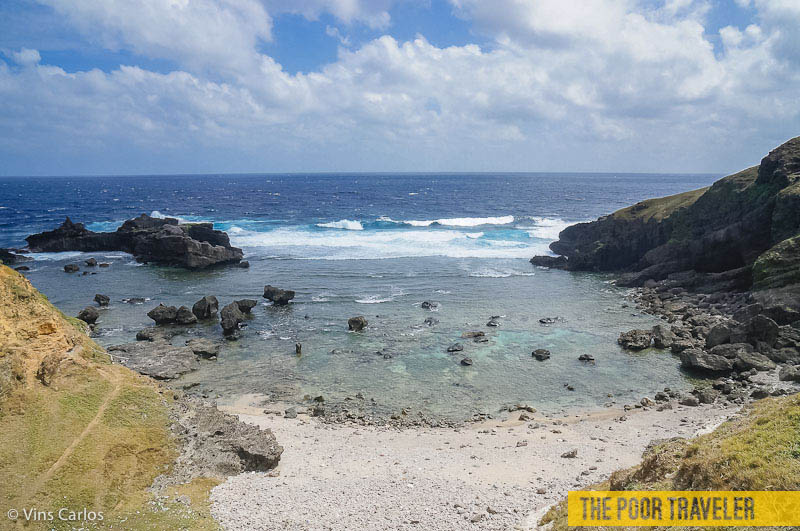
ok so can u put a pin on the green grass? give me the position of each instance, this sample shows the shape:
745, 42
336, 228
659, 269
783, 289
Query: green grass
760, 451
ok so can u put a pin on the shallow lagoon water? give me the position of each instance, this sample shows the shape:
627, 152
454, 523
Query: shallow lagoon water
349, 248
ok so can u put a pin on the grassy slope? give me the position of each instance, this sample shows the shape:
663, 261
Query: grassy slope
659, 208
95, 437
760, 451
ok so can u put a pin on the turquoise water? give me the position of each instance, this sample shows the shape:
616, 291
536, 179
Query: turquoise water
375, 246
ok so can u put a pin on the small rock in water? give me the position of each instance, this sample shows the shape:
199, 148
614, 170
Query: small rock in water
430, 305
91, 262
71, 268
455, 347
472, 334
357, 324
102, 300
493, 322
105, 264
549, 320
586, 357
298, 349
541, 354
572, 454
466, 362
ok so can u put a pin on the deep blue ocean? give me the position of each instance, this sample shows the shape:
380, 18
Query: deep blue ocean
374, 245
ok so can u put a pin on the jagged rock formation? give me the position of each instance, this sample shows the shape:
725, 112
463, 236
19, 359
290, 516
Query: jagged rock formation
165, 241
737, 234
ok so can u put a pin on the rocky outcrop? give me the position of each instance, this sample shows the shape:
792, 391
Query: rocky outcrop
157, 359
9, 257
636, 339
740, 233
162, 314
164, 241
279, 297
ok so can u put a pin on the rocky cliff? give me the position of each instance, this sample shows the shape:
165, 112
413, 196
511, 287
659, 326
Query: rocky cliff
735, 235
191, 245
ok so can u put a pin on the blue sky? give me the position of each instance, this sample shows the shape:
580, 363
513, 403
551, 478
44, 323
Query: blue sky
159, 86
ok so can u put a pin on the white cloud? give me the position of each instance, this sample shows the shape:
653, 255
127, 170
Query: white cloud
211, 35
373, 13
595, 85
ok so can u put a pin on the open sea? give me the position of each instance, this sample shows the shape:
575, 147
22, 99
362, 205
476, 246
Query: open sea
376, 245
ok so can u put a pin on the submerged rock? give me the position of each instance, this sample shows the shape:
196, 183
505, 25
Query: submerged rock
541, 354
91, 262
431, 321
357, 324
553, 262
71, 268
204, 348
472, 335
429, 305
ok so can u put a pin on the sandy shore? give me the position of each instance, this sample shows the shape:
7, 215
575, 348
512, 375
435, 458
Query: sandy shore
501, 474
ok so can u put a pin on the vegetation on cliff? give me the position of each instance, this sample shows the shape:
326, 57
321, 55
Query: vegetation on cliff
77, 432
756, 451
722, 229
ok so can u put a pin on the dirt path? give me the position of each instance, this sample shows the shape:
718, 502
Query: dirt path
114, 379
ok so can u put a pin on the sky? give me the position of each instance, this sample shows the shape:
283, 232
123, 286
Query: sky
238, 86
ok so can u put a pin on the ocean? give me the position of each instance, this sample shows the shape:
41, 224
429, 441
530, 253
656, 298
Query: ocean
376, 245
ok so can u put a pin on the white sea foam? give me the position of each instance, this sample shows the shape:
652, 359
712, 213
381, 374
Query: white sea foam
300, 242
546, 228
374, 299
474, 235
53, 257
346, 224
461, 222
499, 273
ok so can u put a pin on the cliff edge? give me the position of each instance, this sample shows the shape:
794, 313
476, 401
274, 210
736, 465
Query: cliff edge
738, 234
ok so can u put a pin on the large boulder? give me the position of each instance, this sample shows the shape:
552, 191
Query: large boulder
790, 373
636, 339
663, 337
279, 297
206, 308
762, 329
699, 360
89, 315
221, 445
184, 316
718, 335
230, 318
162, 314
194, 246
753, 360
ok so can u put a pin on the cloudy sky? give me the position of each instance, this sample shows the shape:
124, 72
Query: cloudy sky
201, 86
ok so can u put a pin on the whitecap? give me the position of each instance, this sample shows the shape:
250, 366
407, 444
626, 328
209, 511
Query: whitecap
462, 222
52, 257
546, 228
374, 299
474, 235
487, 272
346, 224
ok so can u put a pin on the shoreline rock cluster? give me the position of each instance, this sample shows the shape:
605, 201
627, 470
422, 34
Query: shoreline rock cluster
148, 239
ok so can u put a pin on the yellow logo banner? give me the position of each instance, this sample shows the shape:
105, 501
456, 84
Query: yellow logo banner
684, 508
